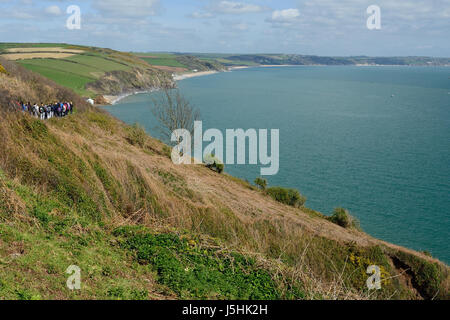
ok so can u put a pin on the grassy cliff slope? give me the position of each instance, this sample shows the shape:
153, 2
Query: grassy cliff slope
90, 191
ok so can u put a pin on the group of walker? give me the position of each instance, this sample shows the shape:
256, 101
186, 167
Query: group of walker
47, 111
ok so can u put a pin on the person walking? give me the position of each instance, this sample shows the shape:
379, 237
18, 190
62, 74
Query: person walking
41, 111
49, 112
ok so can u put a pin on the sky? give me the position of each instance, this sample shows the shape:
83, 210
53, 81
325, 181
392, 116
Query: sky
318, 27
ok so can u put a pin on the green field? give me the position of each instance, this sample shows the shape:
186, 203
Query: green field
161, 59
100, 63
167, 62
63, 65
78, 70
74, 72
71, 80
186, 61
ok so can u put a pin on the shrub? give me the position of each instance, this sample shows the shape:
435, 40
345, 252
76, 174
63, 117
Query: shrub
261, 183
291, 197
220, 167
214, 163
342, 218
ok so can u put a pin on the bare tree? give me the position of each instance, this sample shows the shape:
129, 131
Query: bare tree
174, 112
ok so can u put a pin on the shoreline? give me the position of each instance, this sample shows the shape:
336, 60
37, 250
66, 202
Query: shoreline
113, 99
184, 76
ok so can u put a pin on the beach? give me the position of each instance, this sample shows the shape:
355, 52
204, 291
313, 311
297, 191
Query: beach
178, 77
113, 99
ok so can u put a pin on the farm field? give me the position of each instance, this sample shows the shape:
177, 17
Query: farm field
180, 63
161, 59
7, 45
37, 55
69, 80
71, 66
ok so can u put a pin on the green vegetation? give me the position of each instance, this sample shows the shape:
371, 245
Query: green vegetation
427, 276
214, 163
69, 80
196, 272
188, 62
343, 218
6, 45
77, 71
36, 249
261, 183
162, 59
103, 63
288, 196
193, 63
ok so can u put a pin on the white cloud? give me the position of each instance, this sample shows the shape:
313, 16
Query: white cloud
53, 10
230, 7
284, 17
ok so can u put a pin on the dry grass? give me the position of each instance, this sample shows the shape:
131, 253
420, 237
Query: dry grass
42, 49
36, 55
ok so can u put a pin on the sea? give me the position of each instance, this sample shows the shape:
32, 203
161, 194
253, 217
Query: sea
372, 139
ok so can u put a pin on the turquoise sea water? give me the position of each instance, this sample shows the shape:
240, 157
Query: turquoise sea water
375, 140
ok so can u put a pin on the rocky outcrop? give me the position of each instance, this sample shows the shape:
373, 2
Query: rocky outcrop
119, 82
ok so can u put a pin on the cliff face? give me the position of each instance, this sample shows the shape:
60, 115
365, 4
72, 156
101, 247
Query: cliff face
119, 82
90, 191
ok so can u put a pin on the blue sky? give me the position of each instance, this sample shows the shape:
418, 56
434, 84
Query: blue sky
322, 27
